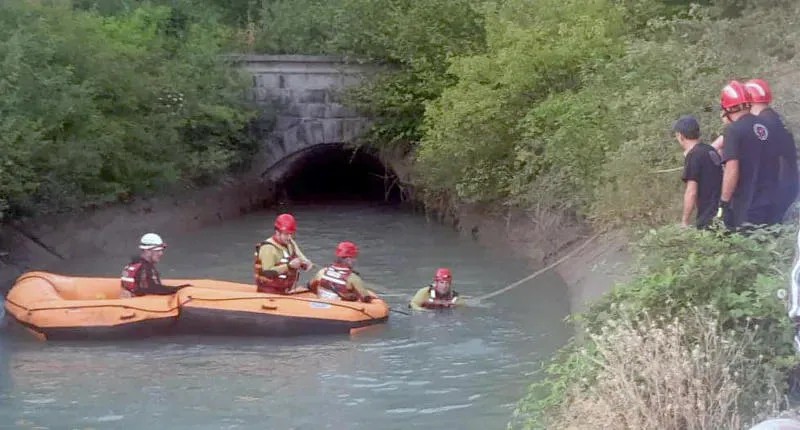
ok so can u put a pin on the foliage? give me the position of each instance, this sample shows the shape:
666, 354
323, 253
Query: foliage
95, 109
656, 89
415, 40
293, 26
734, 277
570, 104
476, 137
735, 274
674, 373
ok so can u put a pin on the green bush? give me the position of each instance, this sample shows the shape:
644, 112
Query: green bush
95, 109
477, 137
678, 69
570, 104
734, 277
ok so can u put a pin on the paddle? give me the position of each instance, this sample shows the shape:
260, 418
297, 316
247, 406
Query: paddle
399, 311
379, 288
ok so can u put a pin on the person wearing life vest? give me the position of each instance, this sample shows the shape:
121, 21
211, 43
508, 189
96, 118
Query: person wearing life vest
140, 277
278, 260
437, 295
339, 281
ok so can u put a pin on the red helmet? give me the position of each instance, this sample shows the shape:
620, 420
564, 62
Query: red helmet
734, 97
759, 91
346, 249
285, 223
443, 274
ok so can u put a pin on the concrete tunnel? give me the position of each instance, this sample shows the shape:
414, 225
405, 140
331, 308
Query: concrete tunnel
334, 172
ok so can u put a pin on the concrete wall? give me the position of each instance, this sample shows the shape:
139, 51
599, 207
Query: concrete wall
305, 93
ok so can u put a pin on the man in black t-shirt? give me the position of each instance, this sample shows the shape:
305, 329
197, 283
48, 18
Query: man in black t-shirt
744, 139
702, 173
779, 175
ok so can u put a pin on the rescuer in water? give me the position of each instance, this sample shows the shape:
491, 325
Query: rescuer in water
437, 295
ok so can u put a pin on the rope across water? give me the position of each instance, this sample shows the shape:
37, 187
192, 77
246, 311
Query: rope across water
385, 291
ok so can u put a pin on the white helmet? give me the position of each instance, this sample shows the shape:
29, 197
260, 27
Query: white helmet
152, 241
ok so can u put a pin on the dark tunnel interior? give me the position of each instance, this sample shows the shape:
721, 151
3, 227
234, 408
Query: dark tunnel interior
334, 173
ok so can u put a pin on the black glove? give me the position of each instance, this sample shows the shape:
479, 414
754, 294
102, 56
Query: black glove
366, 299
727, 214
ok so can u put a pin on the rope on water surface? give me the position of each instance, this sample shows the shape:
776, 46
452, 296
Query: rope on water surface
538, 272
385, 291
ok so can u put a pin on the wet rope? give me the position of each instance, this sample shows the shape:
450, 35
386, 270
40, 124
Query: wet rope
538, 272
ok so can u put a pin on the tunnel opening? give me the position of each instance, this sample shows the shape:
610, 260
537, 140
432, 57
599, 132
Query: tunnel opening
334, 172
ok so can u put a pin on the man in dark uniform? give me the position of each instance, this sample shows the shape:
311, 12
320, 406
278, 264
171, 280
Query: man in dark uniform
744, 139
702, 173
780, 180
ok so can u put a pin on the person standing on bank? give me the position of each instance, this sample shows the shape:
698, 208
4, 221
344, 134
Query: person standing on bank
784, 186
702, 174
278, 260
743, 139
140, 277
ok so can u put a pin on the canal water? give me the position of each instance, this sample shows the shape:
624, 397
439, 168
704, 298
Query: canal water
462, 369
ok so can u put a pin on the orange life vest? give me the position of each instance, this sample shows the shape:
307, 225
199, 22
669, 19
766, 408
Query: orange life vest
436, 301
281, 282
334, 280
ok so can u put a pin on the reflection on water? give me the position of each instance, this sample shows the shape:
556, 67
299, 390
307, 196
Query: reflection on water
464, 369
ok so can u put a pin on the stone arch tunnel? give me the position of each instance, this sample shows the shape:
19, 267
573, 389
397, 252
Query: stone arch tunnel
336, 172
307, 134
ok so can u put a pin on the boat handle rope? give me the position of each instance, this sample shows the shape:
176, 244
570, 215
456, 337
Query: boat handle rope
223, 299
114, 305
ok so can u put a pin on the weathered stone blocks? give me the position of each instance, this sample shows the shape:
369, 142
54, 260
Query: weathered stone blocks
306, 91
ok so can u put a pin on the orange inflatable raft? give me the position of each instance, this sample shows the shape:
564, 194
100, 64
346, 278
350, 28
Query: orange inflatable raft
61, 307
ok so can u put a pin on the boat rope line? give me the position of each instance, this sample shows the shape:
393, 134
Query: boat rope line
106, 305
538, 272
224, 299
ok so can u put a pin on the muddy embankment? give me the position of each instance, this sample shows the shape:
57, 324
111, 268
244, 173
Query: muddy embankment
45, 242
588, 269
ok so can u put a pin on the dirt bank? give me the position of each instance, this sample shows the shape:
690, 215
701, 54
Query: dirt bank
45, 241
